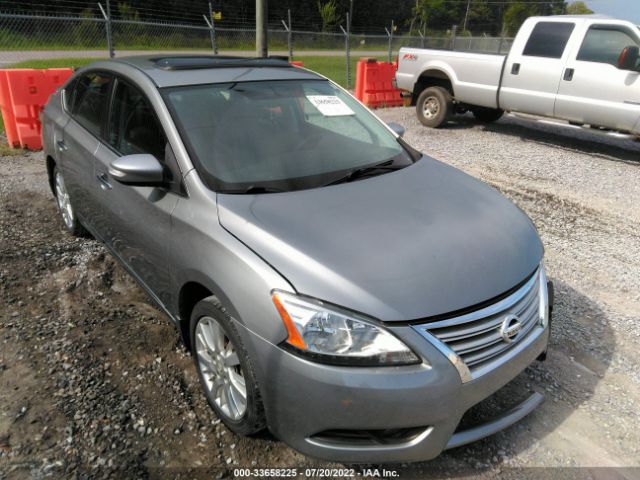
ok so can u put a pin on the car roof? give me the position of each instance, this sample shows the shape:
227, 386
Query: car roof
179, 70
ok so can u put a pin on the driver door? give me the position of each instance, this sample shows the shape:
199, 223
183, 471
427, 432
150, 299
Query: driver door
592, 89
136, 221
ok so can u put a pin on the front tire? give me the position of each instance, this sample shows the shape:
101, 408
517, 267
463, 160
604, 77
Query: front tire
65, 207
434, 107
224, 369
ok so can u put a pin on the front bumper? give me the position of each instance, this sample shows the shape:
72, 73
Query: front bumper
304, 399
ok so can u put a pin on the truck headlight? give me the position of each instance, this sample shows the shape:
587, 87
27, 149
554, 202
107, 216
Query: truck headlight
332, 335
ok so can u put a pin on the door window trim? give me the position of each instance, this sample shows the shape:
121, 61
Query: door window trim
109, 96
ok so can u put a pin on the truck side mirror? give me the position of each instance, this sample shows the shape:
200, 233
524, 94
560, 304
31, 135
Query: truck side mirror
628, 59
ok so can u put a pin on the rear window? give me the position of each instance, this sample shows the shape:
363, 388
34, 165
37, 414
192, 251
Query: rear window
548, 39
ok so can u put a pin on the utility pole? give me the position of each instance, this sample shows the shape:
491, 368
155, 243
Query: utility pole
261, 29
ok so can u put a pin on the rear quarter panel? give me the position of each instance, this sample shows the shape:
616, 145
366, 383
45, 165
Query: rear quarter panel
475, 77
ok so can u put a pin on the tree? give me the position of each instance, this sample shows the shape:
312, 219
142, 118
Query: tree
516, 14
439, 15
578, 8
329, 14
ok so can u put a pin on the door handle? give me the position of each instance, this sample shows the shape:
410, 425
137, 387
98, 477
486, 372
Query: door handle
62, 147
515, 69
568, 74
105, 184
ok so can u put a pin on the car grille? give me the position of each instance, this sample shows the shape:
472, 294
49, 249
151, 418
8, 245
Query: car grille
476, 338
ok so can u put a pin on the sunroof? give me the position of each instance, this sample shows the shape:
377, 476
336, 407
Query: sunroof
195, 62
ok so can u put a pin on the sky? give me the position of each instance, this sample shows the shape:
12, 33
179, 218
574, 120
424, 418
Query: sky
622, 9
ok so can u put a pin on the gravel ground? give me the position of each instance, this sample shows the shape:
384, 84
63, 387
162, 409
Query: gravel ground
94, 381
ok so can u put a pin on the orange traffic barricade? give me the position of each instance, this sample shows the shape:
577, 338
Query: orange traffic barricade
374, 84
23, 94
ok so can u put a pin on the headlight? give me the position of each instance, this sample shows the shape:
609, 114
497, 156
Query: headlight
332, 335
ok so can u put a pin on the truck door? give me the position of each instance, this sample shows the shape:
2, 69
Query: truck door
593, 90
534, 67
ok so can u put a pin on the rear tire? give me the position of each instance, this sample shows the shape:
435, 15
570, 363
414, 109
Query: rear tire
65, 206
487, 115
434, 107
224, 369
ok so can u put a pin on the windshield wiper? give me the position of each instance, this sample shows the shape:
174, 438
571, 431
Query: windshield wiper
254, 189
364, 171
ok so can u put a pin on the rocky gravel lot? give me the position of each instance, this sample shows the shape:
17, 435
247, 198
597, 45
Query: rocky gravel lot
95, 383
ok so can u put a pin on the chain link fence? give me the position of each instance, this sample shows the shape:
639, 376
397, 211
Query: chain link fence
96, 34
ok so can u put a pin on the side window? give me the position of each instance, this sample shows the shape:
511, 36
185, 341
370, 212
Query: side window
90, 100
133, 126
603, 44
548, 39
69, 95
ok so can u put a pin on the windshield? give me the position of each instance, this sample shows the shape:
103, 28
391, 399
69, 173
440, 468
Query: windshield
278, 135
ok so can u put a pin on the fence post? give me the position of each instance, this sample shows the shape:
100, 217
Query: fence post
390, 35
107, 27
211, 23
289, 37
454, 30
347, 49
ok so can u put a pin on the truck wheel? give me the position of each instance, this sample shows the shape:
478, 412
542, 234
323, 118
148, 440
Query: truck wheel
487, 115
225, 369
434, 107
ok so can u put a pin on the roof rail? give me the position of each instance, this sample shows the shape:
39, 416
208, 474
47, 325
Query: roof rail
216, 61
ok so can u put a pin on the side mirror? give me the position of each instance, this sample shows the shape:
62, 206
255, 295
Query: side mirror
396, 127
628, 59
140, 169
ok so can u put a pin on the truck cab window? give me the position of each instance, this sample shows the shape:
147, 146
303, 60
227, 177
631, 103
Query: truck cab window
548, 39
603, 44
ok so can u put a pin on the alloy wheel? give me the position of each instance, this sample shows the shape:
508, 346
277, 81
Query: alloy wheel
64, 203
220, 368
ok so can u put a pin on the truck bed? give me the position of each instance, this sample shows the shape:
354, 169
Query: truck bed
475, 76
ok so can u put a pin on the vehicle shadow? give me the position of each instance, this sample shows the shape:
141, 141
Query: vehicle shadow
574, 140
580, 352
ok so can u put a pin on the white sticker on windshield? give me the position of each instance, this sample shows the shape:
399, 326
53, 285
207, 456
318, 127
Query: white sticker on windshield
330, 105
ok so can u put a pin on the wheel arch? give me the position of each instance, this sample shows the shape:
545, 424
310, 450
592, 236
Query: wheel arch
190, 294
432, 77
51, 163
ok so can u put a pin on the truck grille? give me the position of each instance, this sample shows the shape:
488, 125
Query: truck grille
478, 338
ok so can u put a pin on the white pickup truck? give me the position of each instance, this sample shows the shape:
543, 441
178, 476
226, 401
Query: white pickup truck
583, 69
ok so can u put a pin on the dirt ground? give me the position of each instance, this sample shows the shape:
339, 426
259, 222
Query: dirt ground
94, 381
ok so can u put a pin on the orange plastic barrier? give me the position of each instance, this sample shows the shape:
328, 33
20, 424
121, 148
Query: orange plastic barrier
23, 93
374, 85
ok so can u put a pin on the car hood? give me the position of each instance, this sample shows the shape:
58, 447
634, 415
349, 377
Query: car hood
422, 241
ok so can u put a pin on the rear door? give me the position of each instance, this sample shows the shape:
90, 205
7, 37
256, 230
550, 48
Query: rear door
87, 105
593, 90
534, 67
136, 221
